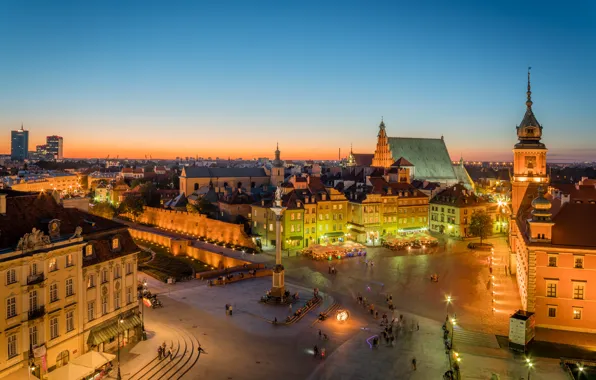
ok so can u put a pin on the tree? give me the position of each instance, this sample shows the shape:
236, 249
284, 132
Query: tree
150, 195
132, 205
103, 209
481, 225
191, 208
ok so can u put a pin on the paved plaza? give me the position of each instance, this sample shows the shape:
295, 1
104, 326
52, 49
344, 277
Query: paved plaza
247, 345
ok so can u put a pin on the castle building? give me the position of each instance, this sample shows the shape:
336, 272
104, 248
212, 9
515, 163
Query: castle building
194, 178
69, 279
551, 238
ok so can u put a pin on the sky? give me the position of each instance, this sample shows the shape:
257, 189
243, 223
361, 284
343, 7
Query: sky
231, 79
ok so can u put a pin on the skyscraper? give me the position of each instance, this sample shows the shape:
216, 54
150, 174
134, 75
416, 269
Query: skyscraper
55, 146
19, 144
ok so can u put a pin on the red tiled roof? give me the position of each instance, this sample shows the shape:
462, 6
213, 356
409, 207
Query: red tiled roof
126, 170
574, 225
363, 159
584, 193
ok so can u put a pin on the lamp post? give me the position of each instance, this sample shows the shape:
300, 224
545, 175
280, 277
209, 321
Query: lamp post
143, 310
581, 370
530, 365
120, 321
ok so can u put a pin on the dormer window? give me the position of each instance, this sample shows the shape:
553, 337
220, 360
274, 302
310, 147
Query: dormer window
115, 243
89, 250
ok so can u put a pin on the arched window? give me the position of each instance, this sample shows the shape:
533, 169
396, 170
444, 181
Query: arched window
196, 186
62, 358
239, 185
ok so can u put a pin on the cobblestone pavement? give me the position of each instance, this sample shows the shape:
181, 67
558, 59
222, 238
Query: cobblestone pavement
247, 346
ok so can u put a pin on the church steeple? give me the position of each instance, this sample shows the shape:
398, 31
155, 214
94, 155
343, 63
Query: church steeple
277, 162
529, 131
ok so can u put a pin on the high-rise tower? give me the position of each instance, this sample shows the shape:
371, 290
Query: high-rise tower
19, 148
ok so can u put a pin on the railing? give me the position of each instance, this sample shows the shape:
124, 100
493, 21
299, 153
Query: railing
38, 312
35, 279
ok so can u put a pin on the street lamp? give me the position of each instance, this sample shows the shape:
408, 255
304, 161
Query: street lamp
581, 370
120, 321
530, 365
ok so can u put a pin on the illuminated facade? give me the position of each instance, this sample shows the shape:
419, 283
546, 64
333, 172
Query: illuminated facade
65, 284
552, 241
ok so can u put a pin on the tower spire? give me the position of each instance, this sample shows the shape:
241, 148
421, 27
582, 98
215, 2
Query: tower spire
529, 93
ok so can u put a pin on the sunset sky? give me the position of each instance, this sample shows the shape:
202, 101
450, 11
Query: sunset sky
224, 78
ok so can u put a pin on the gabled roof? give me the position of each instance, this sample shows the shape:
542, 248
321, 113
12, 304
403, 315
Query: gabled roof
457, 196
204, 172
429, 156
363, 159
401, 162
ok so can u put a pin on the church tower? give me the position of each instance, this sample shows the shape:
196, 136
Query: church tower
277, 169
529, 157
383, 157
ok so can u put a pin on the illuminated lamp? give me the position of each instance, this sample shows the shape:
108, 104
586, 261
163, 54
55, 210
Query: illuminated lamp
342, 315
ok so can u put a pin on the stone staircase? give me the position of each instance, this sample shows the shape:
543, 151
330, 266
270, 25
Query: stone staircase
471, 338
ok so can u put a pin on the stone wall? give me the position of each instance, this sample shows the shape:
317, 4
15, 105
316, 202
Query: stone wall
196, 224
184, 247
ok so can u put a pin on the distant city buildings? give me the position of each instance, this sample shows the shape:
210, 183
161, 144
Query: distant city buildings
19, 148
45, 181
55, 146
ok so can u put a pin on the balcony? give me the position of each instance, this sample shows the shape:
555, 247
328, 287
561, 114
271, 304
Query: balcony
35, 279
38, 312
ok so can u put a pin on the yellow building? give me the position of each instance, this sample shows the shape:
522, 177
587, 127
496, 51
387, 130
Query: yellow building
314, 214
68, 277
61, 182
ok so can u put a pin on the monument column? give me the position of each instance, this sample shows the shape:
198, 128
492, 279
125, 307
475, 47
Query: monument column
278, 288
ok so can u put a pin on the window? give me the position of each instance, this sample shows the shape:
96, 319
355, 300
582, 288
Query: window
320, 216
33, 300
69, 321
12, 346
52, 265
552, 261
33, 336
69, 287
117, 299
292, 227
298, 228
129, 294
88, 250
104, 305
341, 206
270, 226
53, 292
104, 276
11, 276
299, 216
552, 311
578, 290
313, 220
33, 269
91, 311
129, 267
11, 307
115, 243
292, 216
577, 313
91, 281
69, 261
54, 328
579, 262
551, 289
117, 273
255, 212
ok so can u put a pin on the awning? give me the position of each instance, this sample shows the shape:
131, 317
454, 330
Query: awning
70, 372
93, 359
333, 234
109, 330
295, 238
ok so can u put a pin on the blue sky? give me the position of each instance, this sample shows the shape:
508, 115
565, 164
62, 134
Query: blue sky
223, 78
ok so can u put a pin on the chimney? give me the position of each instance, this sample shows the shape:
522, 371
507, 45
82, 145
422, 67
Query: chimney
565, 198
2, 204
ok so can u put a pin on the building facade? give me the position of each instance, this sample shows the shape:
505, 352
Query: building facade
69, 277
55, 146
552, 241
19, 144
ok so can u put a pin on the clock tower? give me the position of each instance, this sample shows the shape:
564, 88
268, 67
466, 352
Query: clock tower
529, 158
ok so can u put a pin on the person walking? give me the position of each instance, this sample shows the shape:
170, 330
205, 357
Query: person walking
290, 308
159, 352
414, 363
417, 326
170, 354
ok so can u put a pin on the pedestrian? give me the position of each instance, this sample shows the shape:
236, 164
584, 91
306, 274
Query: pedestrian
320, 334
377, 314
417, 326
230, 310
490, 269
163, 347
414, 364
159, 352
290, 308
170, 354
329, 271
316, 351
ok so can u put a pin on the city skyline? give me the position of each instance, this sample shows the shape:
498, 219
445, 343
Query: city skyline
109, 84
